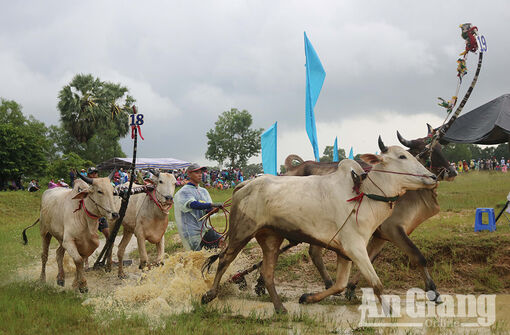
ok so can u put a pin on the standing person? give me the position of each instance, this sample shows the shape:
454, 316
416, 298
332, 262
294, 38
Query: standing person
103, 224
116, 178
72, 176
191, 203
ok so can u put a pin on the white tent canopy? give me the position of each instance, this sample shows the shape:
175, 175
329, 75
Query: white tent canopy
143, 163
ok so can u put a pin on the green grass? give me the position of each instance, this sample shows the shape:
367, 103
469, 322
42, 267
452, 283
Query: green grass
459, 259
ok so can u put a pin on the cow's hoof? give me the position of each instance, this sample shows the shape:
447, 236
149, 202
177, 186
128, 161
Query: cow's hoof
434, 296
260, 287
206, 298
281, 311
328, 284
122, 275
61, 282
143, 266
160, 263
242, 284
304, 298
350, 292
84, 290
108, 268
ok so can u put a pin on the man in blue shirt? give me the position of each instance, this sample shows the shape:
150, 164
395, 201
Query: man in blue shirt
191, 203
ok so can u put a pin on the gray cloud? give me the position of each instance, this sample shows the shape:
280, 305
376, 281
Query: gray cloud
186, 62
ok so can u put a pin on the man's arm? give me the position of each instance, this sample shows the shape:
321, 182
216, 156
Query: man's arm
204, 205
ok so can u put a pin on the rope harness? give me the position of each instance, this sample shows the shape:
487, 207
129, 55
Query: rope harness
206, 221
89, 214
99, 206
360, 195
152, 196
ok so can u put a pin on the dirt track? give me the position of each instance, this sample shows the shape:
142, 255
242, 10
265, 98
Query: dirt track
173, 287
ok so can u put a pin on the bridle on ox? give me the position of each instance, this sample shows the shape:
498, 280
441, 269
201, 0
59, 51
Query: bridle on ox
89, 214
442, 172
360, 195
152, 196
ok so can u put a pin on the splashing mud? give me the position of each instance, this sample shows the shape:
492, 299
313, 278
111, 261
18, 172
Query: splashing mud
157, 292
164, 290
173, 288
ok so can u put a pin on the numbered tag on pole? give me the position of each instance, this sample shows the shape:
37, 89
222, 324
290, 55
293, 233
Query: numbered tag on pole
136, 120
482, 43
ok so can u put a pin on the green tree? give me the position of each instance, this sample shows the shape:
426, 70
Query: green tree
232, 139
455, 152
59, 168
328, 154
502, 150
252, 170
95, 114
24, 147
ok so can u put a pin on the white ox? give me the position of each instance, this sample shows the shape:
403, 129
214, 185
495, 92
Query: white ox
147, 218
315, 210
72, 218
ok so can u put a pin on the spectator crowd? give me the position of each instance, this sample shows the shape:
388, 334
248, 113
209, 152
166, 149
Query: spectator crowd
224, 178
492, 164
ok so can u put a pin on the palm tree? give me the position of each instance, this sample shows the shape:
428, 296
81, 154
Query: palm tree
87, 105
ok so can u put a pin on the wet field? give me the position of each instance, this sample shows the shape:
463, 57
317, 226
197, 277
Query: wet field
177, 285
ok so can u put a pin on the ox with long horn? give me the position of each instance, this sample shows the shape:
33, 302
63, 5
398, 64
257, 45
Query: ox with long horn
86, 179
382, 147
430, 130
404, 142
154, 172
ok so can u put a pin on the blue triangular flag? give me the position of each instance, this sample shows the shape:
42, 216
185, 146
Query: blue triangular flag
335, 151
351, 154
268, 144
315, 75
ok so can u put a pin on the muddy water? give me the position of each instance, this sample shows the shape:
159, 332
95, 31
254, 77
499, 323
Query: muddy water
168, 289
340, 319
173, 287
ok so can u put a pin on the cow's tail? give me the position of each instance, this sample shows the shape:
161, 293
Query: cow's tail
24, 234
210, 261
290, 159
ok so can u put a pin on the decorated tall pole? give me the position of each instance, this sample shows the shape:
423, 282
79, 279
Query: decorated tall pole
136, 122
474, 43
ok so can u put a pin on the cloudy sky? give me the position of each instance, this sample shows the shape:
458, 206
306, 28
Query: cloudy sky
188, 61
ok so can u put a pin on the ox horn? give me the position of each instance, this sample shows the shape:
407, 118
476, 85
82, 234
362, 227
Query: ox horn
155, 172
404, 141
383, 148
429, 129
86, 179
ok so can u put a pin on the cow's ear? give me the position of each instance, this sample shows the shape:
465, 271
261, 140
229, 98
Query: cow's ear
82, 195
371, 159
